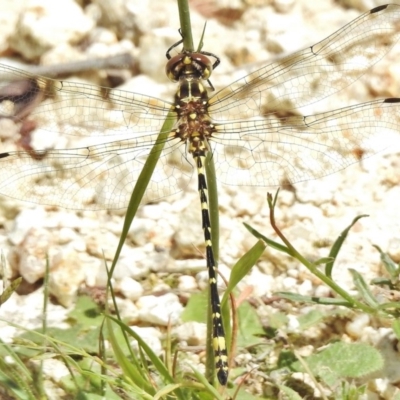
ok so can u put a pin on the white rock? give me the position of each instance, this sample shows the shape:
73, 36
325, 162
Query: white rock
181, 266
66, 276
144, 84
130, 288
103, 35
245, 205
190, 235
47, 23
289, 283
66, 235
127, 310
293, 323
27, 311
202, 276
141, 231
151, 336
263, 285
355, 328
160, 310
102, 245
284, 6
26, 220
137, 262
305, 288
193, 333
55, 369
8, 19
152, 46
29, 258
186, 283
62, 53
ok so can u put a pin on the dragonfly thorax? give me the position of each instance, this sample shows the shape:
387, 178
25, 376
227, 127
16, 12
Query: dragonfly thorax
194, 124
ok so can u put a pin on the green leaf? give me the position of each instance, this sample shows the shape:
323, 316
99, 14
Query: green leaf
277, 320
344, 360
290, 393
86, 313
196, 308
396, 328
249, 326
324, 260
312, 318
391, 305
391, 267
271, 243
240, 394
242, 267
397, 396
286, 359
338, 245
363, 288
310, 299
135, 375
9, 290
77, 336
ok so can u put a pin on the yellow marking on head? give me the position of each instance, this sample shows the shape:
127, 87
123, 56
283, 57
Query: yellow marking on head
187, 60
193, 116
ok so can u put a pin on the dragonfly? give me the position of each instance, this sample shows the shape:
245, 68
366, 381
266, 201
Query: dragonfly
96, 141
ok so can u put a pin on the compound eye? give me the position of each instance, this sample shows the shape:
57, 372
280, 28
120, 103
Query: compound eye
174, 67
204, 65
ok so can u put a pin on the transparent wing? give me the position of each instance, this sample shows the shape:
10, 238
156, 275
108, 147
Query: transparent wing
94, 177
314, 73
271, 151
83, 146
78, 109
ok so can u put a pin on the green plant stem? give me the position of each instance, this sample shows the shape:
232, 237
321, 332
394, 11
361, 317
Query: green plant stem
184, 15
186, 27
294, 253
214, 221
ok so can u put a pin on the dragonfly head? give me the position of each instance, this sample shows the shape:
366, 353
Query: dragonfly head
188, 65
